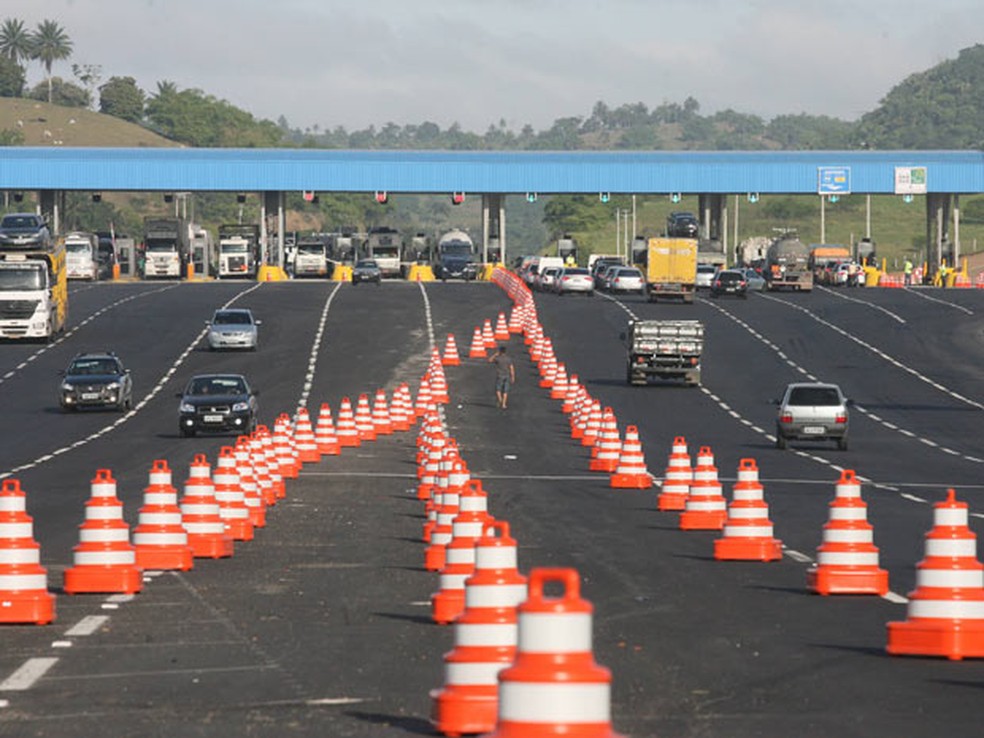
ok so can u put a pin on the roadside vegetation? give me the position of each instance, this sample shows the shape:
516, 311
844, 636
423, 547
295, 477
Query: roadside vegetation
940, 108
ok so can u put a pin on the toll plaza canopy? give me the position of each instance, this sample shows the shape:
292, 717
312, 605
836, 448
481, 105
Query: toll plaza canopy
505, 172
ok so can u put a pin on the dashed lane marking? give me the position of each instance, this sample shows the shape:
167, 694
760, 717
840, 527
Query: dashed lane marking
315, 348
28, 674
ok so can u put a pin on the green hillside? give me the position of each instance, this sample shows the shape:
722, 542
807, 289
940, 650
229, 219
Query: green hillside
33, 123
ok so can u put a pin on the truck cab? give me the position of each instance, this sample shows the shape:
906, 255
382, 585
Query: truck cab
82, 256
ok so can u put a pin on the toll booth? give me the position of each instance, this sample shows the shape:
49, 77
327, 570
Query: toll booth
126, 257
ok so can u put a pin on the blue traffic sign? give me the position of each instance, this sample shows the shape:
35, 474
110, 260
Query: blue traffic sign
833, 180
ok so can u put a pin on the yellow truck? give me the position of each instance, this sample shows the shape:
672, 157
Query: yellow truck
671, 269
33, 292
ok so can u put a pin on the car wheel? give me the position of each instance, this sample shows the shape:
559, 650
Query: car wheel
842, 444
187, 432
591, 293
780, 442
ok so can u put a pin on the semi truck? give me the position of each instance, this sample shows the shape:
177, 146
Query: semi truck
455, 256
82, 256
239, 250
664, 349
385, 246
33, 291
165, 247
311, 257
671, 269
787, 265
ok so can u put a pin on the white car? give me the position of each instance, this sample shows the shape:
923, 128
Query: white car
626, 279
233, 328
705, 276
574, 279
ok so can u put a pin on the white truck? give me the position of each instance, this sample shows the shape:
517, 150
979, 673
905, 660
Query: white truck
239, 247
82, 255
664, 349
165, 247
311, 257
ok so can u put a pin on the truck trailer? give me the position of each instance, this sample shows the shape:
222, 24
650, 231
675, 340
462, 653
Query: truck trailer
671, 269
664, 349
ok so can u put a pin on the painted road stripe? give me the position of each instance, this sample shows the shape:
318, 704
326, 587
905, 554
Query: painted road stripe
26, 676
87, 625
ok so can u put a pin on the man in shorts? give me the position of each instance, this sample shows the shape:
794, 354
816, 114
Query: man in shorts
505, 375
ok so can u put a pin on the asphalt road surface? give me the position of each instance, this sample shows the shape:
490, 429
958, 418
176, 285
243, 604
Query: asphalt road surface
321, 625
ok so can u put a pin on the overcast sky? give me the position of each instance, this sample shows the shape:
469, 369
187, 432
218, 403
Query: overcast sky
476, 62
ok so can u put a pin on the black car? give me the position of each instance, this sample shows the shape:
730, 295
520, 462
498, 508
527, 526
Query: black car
220, 403
682, 225
96, 380
367, 270
729, 282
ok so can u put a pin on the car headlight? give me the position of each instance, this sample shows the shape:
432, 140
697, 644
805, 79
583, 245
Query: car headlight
113, 386
67, 387
186, 407
240, 407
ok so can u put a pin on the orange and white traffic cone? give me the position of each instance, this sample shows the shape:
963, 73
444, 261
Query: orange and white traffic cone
485, 638
477, 348
607, 449
261, 469
706, 508
631, 472
283, 439
200, 514
946, 610
363, 419
439, 386
451, 357
847, 560
676, 481
425, 400
347, 431
324, 432
160, 539
104, 561
558, 390
273, 463
448, 506
229, 494
24, 595
304, 440
488, 335
459, 554
592, 425
501, 328
516, 319
554, 687
747, 531
249, 484
399, 410
381, 421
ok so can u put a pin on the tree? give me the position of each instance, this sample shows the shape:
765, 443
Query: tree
89, 75
121, 98
50, 43
16, 42
58, 91
12, 78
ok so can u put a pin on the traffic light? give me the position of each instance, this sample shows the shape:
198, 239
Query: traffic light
675, 197
241, 198
753, 197
97, 197
604, 196
457, 198
381, 197
530, 197
308, 196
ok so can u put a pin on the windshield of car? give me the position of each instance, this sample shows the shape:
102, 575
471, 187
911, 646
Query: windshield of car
730, 277
217, 386
628, 273
706, 269
366, 264
237, 317
575, 272
825, 396
20, 221
93, 366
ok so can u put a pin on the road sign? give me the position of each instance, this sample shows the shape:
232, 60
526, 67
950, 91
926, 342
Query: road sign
910, 180
833, 180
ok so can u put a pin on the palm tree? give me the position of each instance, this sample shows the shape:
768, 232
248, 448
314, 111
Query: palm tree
50, 44
16, 42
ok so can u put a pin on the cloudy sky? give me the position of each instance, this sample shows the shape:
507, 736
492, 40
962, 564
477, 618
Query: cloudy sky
477, 62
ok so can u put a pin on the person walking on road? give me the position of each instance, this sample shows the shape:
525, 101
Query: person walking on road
907, 269
505, 375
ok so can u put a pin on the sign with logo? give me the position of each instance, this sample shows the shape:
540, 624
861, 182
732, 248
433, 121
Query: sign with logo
910, 180
833, 180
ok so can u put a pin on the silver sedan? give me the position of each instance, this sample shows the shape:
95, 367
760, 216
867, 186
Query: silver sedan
233, 328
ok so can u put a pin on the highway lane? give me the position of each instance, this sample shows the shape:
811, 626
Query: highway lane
319, 627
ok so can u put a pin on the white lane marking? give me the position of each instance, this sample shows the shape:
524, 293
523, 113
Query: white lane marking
896, 598
28, 674
843, 296
878, 352
61, 644
315, 349
87, 626
69, 333
797, 556
165, 378
955, 306
336, 701
427, 315
621, 304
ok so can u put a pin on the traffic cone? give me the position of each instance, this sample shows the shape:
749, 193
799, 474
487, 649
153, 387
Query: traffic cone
847, 560
304, 440
399, 412
324, 432
451, 357
705, 508
516, 319
488, 335
608, 447
273, 463
439, 386
946, 610
459, 554
287, 461
347, 432
477, 348
573, 392
229, 494
363, 419
425, 401
558, 389
441, 534
676, 481
381, 421
554, 687
24, 595
249, 484
261, 469
631, 472
485, 637
200, 514
105, 561
160, 539
592, 425
501, 328
747, 529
